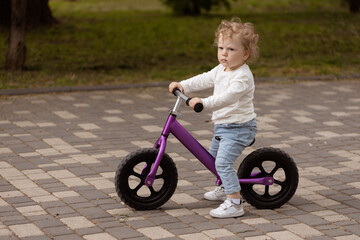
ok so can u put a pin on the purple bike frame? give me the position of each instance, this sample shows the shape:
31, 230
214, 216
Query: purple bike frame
174, 127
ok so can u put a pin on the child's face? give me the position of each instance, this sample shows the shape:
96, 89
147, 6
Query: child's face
231, 52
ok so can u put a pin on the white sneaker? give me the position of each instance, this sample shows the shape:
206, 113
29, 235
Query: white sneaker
228, 209
216, 195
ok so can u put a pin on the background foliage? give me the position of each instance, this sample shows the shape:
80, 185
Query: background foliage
113, 41
195, 7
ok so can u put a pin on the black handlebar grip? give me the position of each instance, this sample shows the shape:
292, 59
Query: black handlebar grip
198, 107
175, 91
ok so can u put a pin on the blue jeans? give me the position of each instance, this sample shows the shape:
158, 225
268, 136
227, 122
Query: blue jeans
227, 144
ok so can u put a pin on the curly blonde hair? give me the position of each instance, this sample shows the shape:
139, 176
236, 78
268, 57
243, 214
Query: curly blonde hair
245, 31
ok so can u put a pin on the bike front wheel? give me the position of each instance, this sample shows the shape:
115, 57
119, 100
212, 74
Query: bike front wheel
269, 162
130, 180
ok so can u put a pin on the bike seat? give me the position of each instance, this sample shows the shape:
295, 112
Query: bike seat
252, 143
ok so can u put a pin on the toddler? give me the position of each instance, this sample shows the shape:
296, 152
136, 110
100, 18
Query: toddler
232, 105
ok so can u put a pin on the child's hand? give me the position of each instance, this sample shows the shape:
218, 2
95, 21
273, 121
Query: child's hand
194, 101
174, 85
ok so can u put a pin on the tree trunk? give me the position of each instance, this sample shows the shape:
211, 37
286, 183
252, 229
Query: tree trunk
15, 58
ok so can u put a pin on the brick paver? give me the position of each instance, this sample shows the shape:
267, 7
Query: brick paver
59, 154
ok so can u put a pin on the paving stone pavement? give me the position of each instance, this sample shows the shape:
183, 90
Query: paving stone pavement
59, 153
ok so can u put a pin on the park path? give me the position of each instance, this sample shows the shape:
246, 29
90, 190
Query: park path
59, 153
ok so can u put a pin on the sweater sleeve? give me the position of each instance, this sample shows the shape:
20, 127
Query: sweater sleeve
236, 89
200, 82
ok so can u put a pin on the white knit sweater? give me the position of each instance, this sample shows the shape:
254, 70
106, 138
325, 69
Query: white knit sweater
232, 100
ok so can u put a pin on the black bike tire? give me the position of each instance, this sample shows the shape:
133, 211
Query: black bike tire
290, 170
127, 195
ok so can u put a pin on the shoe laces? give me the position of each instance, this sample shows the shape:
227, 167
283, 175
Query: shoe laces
219, 189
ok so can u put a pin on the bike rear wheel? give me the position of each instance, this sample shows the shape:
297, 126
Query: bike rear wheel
130, 180
269, 162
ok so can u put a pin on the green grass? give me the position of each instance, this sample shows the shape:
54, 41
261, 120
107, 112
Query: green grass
132, 41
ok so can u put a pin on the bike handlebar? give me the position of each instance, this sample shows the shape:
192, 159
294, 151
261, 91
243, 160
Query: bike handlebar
197, 108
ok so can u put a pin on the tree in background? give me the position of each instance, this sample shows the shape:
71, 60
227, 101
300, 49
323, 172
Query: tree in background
194, 7
15, 58
19, 15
